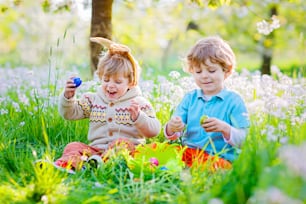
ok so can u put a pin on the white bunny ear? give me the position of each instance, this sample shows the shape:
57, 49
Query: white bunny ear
102, 41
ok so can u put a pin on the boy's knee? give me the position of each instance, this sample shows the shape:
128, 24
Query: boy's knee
74, 145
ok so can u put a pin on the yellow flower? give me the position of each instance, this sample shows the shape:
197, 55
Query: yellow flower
112, 191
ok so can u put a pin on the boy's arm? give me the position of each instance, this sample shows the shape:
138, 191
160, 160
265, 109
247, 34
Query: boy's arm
236, 137
173, 136
72, 109
147, 123
240, 122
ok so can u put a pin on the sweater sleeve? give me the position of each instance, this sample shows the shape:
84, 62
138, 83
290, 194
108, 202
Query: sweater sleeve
237, 136
147, 123
174, 136
74, 109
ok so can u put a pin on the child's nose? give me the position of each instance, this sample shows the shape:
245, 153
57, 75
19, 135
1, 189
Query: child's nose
204, 73
111, 84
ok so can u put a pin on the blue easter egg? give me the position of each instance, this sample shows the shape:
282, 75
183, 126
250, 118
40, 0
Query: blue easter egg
163, 168
77, 81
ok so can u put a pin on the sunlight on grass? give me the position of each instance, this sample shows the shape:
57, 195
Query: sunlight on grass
270, 164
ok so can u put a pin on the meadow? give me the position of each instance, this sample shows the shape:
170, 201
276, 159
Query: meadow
271, 167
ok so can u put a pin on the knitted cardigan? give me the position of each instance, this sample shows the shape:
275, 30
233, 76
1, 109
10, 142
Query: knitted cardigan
110, 120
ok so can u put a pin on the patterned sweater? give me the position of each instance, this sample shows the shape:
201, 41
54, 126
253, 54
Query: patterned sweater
110, 120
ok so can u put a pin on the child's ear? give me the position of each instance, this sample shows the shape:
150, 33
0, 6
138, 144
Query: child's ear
131, 85
227, 73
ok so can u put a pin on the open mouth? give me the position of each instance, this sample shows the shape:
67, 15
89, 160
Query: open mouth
111, 94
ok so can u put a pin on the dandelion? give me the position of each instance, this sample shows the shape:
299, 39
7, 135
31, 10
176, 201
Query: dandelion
21, 124
34, 153
98, 185
147, 88
186, 175
3, 111
44, 199
215, 201
288, 155
271, 136
23, 99
272, 195
16, 106
174, 74
284, 140
2, 99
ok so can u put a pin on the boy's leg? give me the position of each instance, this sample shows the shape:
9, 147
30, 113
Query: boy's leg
75, 154
119, 145
196, 157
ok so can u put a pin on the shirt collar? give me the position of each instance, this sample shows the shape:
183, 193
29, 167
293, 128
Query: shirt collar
220, 95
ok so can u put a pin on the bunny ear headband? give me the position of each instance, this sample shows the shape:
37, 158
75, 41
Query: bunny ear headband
115, 48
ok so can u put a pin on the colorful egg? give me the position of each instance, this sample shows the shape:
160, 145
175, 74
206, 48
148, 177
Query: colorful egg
77, 81
203, 118
154, 161
163, 168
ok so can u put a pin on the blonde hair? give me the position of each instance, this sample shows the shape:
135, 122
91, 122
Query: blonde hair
118, 59
213, 48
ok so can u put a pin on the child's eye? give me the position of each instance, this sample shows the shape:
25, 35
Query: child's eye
198, 71
106, 80
211, 71
118, 82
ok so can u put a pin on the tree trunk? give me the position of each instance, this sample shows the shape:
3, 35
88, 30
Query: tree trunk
266, 63
101, 26
268, 49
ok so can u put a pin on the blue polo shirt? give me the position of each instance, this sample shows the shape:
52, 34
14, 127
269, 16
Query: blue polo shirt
226, 105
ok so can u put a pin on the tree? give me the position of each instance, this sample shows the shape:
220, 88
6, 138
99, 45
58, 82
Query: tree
101, 25
158, 40
290, 13
268, 47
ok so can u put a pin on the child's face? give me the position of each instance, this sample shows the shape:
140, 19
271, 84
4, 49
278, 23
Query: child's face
115, 86
210, 77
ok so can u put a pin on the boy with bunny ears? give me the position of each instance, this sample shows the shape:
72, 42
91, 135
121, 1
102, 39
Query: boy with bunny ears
117, 111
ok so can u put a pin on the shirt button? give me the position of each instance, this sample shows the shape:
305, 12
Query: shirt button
111, 104
110, 133
110, 120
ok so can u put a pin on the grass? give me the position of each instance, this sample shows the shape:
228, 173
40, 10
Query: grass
270, 165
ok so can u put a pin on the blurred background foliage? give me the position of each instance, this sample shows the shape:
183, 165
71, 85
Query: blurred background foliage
160, 32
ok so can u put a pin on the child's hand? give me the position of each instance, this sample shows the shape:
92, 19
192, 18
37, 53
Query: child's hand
69, 88
175, 125
216, 125
134, 110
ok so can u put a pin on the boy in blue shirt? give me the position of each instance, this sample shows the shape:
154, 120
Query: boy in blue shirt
210, 61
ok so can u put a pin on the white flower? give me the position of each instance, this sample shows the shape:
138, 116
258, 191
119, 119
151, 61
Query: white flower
44, 199
16, 106
3, 111
266, 28
292, 156
174, 74
215, 201
272, 195
275, 22
263, 27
